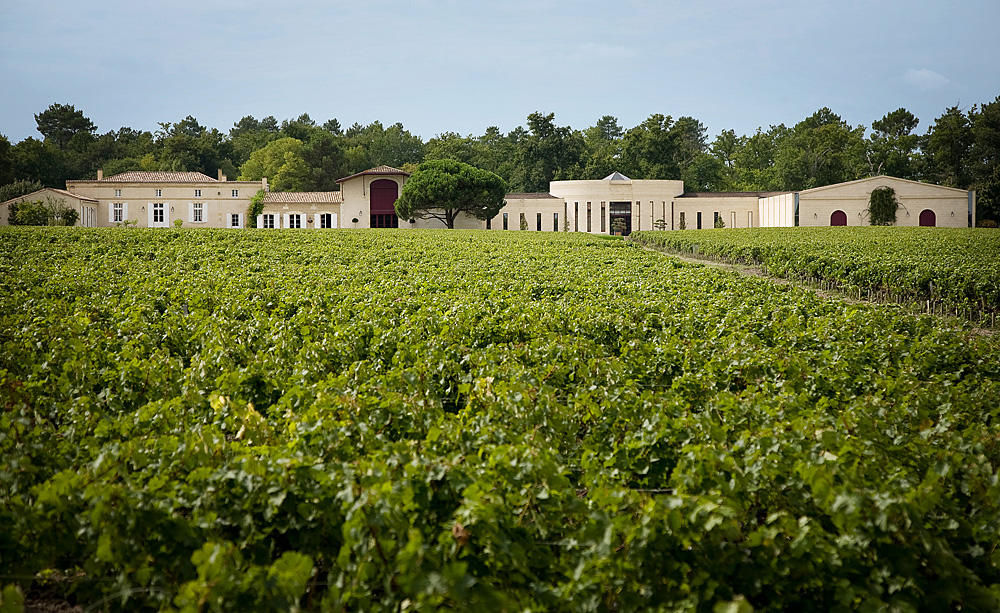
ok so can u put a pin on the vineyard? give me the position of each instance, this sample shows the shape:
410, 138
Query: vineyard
199, 420
943, 270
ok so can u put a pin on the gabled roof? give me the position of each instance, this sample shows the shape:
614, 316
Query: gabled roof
297, 197
145, 176
378, 170
61, 192
616, 176
882, 179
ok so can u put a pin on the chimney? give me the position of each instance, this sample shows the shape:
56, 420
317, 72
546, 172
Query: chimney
100, 174
263, 184
222, 177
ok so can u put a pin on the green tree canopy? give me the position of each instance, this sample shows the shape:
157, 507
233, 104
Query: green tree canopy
603, 142
544, 153
442, 189
892, 147
16, 189
450, 146
651, 150
820, 150
949, 143
753, 159
282, 162
392, 146
61, 122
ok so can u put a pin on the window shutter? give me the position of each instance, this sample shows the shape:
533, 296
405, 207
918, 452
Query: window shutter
149, 214
242, 215
286, 221
124, 211
260, 221
191, 211
111, 212
333, 218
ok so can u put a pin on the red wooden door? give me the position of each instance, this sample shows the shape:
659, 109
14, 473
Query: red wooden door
928, 218
383, 213
839, 218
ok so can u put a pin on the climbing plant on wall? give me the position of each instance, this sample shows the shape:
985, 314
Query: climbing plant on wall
882, 206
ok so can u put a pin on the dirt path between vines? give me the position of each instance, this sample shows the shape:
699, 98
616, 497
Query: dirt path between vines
754, 271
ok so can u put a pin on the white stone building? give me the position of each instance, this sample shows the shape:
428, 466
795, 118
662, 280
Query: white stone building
366, 200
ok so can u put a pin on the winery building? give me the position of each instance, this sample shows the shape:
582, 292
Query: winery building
366, 200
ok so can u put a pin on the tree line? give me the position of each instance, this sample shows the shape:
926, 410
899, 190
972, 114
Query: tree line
960, 149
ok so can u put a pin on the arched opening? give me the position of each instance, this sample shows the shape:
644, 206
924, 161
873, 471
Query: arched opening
839, 218
383, 212
928, 218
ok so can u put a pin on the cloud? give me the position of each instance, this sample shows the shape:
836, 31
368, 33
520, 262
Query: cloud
925, 79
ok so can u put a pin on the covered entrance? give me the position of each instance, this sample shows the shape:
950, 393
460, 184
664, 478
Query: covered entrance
623, 211
383, 212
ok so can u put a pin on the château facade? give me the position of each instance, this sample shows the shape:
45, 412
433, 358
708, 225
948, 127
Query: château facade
366, 200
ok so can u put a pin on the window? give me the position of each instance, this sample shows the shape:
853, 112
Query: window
683, 223
119, 212
383, 220
198, 212
234, 220
588, 217
796, 210
505, 221
236, 193
489, 224
715, 221
576, 216
604, 228
555, 222
267, 220
159, 193
326, 220
699, 220
197, 193
118, 193
158, 209
538, 221
295, 221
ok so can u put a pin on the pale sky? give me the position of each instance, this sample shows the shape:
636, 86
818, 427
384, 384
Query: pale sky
444, 65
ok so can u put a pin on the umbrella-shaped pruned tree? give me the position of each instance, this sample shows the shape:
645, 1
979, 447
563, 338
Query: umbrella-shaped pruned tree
443, 189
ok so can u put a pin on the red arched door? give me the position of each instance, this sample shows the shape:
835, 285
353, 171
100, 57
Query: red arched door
383, 213
928, 218
839, 218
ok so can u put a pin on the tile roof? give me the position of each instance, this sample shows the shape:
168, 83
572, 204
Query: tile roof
378, 170
143, 176
72, 195
531, 196
61, 192
319, 197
